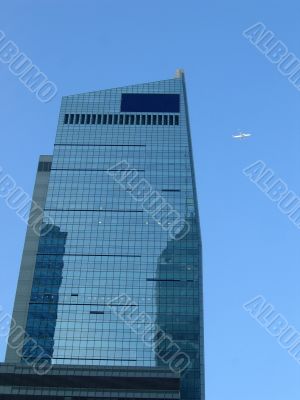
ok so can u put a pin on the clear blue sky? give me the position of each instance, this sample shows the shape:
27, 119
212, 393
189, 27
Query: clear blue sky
250, 248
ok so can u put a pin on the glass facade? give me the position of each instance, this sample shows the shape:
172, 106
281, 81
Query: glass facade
106, 243
21, 382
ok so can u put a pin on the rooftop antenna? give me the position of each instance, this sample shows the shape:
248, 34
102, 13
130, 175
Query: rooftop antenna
179, 73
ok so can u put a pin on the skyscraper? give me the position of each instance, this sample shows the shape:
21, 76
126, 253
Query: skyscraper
120, 222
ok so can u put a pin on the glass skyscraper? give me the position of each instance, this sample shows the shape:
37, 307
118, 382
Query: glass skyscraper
120, 219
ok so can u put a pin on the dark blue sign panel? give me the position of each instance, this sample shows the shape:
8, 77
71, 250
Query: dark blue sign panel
161, 103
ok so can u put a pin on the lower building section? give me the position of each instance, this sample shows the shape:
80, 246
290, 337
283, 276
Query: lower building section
76, 383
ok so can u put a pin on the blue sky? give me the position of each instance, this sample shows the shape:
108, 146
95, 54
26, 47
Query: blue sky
250, 248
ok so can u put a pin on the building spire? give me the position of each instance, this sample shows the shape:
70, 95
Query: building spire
179, 73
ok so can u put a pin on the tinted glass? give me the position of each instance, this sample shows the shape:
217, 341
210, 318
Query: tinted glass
150, 103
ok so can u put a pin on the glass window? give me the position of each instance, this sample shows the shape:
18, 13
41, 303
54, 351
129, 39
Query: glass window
150, 102
66, 120
71, 119
88, 119
82, 119
77, 117
121, 119
104, 119
99, 119
137, 119
93, 118
148, 119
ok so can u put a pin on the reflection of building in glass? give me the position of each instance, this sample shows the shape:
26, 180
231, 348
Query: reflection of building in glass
179, 311
43, 306
106, 243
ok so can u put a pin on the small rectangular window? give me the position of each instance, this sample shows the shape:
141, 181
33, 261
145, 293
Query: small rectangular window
82, 119
77, 117
116, 119
104, 119
143, 119
137, 119
121, 119
160, 120
97, 312
154, 118
148, 119
176, 120
93, 119
99, 119
71, 119
131, 119
165, 120
110, 119
66, 120
126, 119
88, 119
171, 120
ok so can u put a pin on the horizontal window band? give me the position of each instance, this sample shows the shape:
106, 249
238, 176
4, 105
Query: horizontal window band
74, 383
87, 255
78, 358
102, 170
97, 312
170, 190
83, 304
86, 210
163, 280
99, 145
143, 119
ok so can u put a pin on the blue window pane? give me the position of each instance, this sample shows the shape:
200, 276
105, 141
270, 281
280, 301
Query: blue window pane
162, 103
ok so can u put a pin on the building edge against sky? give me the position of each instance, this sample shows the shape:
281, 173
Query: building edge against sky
104, 242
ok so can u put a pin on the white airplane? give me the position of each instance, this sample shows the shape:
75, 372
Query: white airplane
241, 135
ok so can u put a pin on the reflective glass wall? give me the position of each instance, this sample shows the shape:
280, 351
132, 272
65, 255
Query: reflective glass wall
123, 201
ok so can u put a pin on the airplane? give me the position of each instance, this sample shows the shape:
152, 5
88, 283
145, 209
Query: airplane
242, 135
